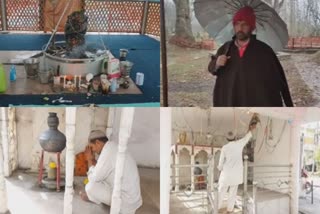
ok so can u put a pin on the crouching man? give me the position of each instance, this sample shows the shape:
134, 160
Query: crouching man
101, 175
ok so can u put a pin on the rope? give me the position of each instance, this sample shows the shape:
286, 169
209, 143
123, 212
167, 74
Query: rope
273, 146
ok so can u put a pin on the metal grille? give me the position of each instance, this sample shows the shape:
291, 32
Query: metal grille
117, 16
104, 16
25, 15
153, 19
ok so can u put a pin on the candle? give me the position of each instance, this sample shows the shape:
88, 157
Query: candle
75, 82
56, 80
64, 81
79, 81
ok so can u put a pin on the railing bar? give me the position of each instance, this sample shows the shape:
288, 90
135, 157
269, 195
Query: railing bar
268, 184
189, 165
175, 176
279, 165
190, 184
195, 199
279, 176
194, 182
269, 172
273, 190
194, 191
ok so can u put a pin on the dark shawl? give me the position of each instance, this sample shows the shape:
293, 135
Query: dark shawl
256, 79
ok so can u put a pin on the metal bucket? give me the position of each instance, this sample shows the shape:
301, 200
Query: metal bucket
31, 66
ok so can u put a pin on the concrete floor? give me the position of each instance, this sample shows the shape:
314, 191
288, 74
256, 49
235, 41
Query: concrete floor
197, 202
23, 85
25, 196
305, 205
181, 203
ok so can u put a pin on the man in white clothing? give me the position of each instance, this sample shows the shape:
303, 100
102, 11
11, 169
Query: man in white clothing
231, 167
101, 175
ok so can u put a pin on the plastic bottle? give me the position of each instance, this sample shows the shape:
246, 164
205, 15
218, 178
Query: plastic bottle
13, 73
113, 86
3, 80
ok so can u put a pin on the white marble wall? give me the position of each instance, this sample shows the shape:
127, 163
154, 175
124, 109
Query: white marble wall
32, 121
275, 206
144, 143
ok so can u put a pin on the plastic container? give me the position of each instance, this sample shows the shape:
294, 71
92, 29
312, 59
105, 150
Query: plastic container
139, 78
3, 80
13, 73
114, 85
44, 76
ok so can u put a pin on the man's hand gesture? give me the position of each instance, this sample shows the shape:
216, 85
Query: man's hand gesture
89, 154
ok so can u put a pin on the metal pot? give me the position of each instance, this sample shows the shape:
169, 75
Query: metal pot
73, 67
125, 68
52, 140
32, 67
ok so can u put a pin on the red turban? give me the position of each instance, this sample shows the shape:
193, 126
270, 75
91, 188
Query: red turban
246, 14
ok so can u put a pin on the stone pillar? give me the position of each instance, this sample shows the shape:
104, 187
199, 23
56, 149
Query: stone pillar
12, 139
211, 172
295, 160
5, 141
3, 189
71, 113
111, 115
165, 156
193, 179
216, 198
126, 121
177, 171
245, 184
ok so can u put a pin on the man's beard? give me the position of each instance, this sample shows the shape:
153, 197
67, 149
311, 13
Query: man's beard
242, 36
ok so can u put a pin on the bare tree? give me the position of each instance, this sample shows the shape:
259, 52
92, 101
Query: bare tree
183, 20
313, 16
275, 4
170, 16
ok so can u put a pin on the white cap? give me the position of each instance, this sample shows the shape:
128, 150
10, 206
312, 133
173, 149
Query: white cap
230, 136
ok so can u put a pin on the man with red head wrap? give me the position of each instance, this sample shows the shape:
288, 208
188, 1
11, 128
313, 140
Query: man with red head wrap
248, 71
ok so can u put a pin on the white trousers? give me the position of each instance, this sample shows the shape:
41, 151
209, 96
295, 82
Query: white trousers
98, 193
231, 198
101, 193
